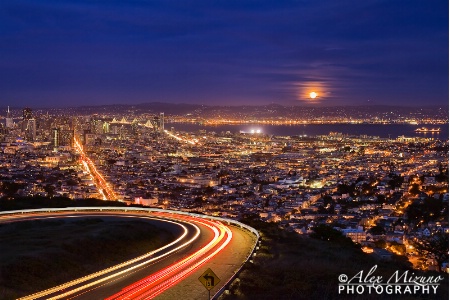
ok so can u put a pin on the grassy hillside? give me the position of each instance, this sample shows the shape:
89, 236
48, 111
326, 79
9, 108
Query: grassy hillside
39, 254
289, 266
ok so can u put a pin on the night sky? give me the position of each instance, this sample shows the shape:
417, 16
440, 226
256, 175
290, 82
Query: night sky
66, 53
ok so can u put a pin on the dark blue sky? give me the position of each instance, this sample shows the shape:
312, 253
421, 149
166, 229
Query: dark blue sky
224, 52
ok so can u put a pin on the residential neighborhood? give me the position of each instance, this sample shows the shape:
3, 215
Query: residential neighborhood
382, 193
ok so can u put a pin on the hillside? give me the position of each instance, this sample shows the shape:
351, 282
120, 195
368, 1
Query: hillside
289, 266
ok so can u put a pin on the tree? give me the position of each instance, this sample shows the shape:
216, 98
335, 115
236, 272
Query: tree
380, 244
399, 248
72, 182
381, 198
209, 190
428, 210
327, 233
10, 188
377, 230
346, 189
111, 161
415, 189
396, 181
321, 210
434, 247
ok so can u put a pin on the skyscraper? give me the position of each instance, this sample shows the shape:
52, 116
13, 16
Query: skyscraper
55, 137
9, 119
30, 130
27, 113
161, 122
62, 137
105, 127
66, 137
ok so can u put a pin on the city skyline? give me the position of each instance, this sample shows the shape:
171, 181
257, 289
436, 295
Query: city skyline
250, 187
253, 52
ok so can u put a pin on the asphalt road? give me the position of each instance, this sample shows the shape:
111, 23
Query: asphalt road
224, 264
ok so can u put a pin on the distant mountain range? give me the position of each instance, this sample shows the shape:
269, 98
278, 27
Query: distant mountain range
214, 111
249, 111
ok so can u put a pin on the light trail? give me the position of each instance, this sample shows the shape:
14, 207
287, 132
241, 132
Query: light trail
178, 138
114, 268
160, 281
155, 283
104, 189
131, 290
185, 273
86, 167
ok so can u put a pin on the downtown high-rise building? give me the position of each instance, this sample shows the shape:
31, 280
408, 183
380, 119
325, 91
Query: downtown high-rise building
28, 124
9, 120
66, 137
55, 137
27, 113
30, 129
161, 122
62, 137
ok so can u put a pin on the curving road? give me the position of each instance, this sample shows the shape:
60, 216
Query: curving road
170, 272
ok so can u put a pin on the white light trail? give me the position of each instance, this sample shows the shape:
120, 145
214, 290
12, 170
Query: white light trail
114, 268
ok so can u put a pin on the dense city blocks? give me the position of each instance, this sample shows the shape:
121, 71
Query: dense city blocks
387, 194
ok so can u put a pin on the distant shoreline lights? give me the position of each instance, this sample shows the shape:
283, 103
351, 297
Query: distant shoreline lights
252, 131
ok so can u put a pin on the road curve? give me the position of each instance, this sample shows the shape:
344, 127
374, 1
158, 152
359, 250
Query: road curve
164, 272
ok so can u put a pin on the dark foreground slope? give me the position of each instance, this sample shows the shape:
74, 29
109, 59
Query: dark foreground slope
38, 254
289, 266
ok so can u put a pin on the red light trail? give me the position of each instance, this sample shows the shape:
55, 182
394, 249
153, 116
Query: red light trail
160, 281
108, 193
156, 283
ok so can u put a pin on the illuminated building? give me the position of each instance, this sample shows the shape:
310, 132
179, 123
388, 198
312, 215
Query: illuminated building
105, 127
55, 137
89, 138
66, 137
9, 120
161, 122
30, 129
62, 137
27, 113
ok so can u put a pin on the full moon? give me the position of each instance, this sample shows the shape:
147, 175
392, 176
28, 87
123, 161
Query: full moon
312, 95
